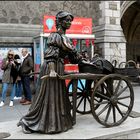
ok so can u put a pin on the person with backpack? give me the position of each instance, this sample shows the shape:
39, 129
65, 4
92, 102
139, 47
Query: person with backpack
18, 90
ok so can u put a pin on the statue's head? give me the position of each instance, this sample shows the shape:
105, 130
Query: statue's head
64, 19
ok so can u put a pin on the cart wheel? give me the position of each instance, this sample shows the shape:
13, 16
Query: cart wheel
83, 96
117, 100
97, 98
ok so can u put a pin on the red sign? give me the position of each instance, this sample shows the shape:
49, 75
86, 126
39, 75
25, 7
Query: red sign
70, 68
79, 25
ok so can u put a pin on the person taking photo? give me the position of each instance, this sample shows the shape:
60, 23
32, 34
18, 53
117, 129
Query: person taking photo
7, 78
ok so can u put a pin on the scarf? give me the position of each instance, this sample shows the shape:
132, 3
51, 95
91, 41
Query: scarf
23, 57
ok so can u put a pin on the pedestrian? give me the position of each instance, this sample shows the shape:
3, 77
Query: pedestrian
25, 69
50, 111
18, 90
8, 66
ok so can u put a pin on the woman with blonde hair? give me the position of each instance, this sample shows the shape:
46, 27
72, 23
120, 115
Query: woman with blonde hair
7, 79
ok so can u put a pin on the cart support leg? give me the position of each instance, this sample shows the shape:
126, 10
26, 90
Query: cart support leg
75, 82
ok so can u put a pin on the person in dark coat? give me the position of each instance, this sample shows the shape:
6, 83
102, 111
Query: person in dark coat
26, 68
49, 112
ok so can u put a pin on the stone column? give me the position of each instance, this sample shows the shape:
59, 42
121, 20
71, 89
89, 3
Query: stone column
108, 34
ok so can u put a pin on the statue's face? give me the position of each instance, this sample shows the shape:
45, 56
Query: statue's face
66, 23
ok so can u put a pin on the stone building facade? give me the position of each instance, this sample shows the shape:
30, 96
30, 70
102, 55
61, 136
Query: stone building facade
20, 21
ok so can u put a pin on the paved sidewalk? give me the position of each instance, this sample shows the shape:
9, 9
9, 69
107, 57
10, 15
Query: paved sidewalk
86, 126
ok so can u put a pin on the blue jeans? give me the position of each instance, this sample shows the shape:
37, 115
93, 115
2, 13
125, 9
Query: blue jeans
26, 87
18, 89
4, 91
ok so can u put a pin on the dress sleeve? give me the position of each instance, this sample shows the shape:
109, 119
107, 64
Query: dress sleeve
74, 56
54, 43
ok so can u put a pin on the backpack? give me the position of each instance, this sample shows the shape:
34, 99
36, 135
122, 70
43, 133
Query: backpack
14, 73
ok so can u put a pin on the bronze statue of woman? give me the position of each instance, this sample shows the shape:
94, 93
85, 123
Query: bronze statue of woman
50, 109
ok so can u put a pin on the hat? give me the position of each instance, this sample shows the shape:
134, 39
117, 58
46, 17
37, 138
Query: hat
16, 56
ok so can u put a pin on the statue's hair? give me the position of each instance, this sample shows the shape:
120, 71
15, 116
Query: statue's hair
60, 16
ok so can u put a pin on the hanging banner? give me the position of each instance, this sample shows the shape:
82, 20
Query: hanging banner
79, 25
87, 42
74, 41
92, 42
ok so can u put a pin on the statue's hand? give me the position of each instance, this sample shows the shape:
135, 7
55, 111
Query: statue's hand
52, 74
84, 61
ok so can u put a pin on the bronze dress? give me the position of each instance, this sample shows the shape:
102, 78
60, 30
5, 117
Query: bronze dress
50, 109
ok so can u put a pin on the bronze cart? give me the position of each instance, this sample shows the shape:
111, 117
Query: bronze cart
109, 97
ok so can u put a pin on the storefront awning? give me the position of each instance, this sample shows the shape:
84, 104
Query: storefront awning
77, 36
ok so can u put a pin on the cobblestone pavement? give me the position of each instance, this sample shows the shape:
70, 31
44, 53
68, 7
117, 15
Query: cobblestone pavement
86, 126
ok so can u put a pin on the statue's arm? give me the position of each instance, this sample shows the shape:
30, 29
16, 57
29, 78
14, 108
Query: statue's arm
52, 53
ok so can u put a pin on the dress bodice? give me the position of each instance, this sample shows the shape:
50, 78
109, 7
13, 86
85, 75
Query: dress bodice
59, 46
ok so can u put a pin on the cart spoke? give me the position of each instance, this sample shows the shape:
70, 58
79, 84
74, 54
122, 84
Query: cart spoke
106, 89
122, 91
117, 88
84, 104
123, 97
79, 88
80, 102
96, 100
100, 103
114, 114
88, 99
119, 110
105, 97
123, 104
103, 109
82, 84
80, 95
108, 113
